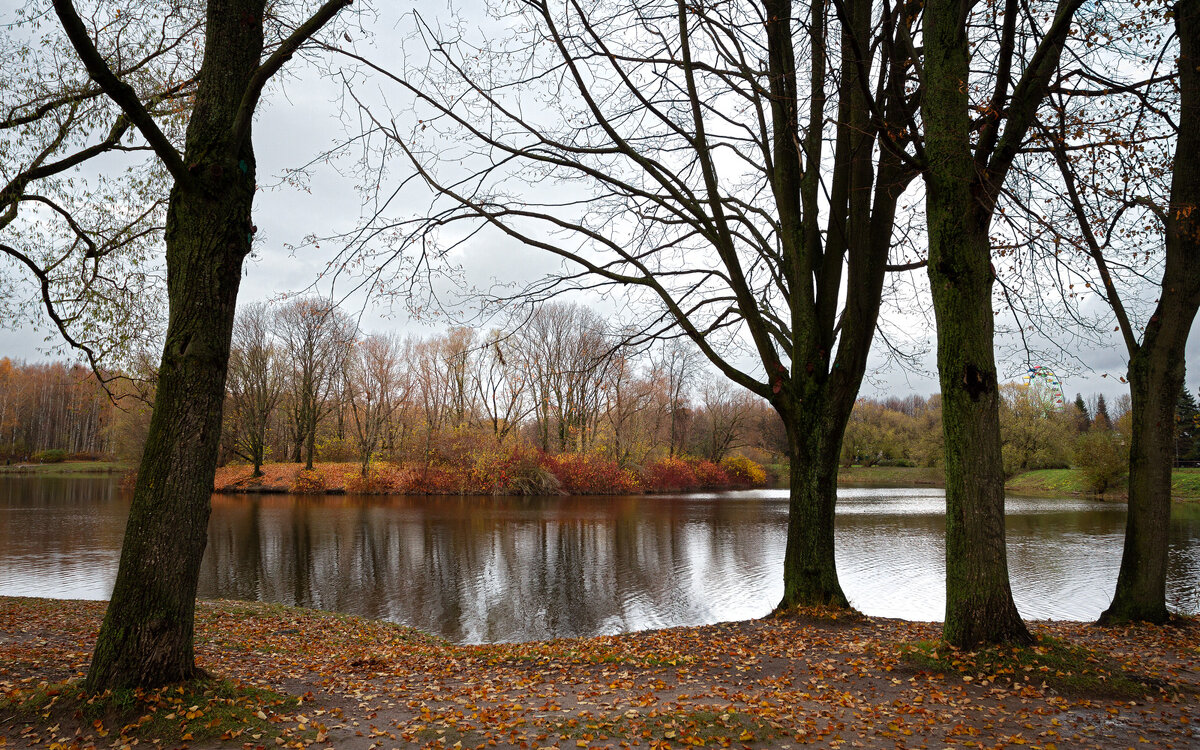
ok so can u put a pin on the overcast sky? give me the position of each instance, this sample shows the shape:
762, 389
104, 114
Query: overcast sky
299, 120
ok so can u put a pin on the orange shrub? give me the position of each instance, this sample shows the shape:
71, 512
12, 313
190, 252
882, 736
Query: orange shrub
744, 471
433, 480
382, 478
669, 475
308, 482
590, 474
709, 474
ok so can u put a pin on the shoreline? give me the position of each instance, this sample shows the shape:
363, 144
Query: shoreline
1042, 483
811, 677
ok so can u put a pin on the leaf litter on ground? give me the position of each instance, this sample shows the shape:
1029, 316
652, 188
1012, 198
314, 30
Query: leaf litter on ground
292, 677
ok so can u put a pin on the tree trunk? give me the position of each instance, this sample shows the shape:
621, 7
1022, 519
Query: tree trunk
809, 568
147, 635
1156, 366
1155, 378
979, 604
146, 638
259, 457
310, 444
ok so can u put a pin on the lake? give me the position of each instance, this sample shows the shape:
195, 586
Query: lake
483, 569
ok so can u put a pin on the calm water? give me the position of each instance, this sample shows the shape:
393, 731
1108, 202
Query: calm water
499, 569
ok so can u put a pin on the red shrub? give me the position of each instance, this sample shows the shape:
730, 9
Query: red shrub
709, 474
590, 474
669, 475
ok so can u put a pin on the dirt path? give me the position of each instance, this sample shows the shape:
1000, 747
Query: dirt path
782, 682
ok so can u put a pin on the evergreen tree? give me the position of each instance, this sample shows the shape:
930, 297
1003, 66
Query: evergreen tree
1085, 419
1101, 421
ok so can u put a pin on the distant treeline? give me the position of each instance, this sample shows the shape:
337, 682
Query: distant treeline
305, 386
52, 411
1038, 431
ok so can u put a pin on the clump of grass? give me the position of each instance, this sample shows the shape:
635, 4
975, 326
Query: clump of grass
1063, 667
195, 711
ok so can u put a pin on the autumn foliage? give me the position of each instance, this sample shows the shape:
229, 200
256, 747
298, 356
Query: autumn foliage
513, 470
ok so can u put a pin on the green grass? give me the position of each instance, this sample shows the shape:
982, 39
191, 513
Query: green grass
66, 468
1067, 669
1048, 483
196, 711
1185, 484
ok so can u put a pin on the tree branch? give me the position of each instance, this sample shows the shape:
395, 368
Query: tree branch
271, 66
120, 92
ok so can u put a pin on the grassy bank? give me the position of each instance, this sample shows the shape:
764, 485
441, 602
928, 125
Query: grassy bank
67, 468
297, 678
1185, 484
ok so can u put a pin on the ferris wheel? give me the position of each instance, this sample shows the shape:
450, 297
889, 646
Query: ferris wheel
1042, 377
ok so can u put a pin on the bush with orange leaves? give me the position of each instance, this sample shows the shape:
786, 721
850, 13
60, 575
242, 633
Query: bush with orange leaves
591, 474
669, 475
709, 475
308, 482
489, 469
742, 470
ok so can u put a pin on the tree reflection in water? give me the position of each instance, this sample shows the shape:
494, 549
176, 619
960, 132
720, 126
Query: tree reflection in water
482, 569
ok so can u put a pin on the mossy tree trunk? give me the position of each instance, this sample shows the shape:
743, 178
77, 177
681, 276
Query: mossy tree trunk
979, 604
1156, 364
809, 568
146, 638
963, 176
828, 352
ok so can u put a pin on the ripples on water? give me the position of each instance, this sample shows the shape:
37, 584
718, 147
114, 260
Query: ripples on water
498, 569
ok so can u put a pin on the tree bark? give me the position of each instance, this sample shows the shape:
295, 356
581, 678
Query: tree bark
809, 568
147, 634
1156, 365
1156, 374
979, 604
829, 353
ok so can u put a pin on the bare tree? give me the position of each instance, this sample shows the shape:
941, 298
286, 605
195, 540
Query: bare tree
565, 351
628, 397
966, 158
255, 383
374, 381
680, 153
1115, 131
431, 385
459, 352
316, 338
724, 416
675, 369
502, 388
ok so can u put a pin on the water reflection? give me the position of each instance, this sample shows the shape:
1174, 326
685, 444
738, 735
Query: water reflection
495, 569
484, 569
